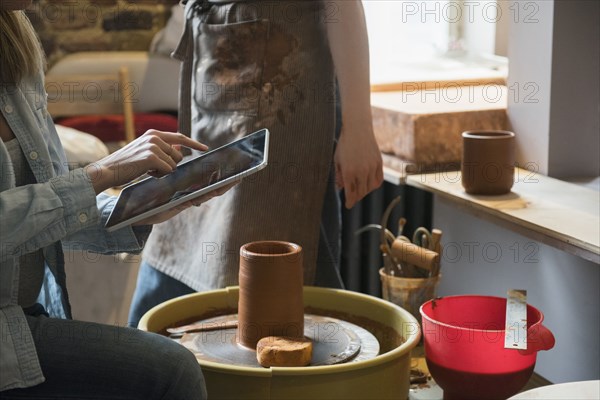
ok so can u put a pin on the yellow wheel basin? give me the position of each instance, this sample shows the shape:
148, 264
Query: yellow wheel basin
384, 377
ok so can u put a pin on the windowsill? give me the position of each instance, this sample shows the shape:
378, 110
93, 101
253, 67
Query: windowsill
590, 183
441, 71
554, 212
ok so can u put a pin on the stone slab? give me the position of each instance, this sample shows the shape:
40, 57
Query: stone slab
425, 126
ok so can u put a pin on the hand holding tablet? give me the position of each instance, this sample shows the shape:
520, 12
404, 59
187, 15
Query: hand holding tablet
197, 202
209, 172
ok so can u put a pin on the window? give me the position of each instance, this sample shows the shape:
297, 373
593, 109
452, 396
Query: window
428, 36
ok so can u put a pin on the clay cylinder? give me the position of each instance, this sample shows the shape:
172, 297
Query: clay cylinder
270, 301
488, 162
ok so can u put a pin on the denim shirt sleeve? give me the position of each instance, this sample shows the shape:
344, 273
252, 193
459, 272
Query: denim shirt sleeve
35, 216
93, 236
96, 238
65, 208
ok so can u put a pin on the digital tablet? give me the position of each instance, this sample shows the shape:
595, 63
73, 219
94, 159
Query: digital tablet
196, 177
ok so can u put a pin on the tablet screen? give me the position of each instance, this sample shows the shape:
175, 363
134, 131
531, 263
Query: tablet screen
191, 179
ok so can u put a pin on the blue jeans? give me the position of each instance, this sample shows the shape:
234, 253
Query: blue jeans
152, 288
84, 360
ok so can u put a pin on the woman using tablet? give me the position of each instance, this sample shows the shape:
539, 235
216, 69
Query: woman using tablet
44, 207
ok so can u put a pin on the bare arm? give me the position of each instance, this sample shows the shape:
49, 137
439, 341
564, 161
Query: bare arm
357, 157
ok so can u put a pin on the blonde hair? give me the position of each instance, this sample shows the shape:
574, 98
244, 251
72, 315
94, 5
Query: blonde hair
21, 54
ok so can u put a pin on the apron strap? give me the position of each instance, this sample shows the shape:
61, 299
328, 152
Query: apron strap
185, 53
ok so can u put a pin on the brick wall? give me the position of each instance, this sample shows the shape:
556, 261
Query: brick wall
68, 26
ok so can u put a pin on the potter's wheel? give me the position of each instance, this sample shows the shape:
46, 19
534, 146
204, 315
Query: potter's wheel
334, 342
384, 376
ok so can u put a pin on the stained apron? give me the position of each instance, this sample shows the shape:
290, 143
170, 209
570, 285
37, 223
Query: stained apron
253, 65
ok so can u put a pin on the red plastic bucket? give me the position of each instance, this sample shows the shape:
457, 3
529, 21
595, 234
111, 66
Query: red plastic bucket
464, 347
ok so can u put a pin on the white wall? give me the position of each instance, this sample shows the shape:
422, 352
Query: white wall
529, 79
554, 85
565, 288
575, 107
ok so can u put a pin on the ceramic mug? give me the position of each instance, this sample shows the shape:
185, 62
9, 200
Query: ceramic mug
271, 300
488, 162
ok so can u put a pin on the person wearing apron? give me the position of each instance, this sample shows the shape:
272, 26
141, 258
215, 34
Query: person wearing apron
256, 64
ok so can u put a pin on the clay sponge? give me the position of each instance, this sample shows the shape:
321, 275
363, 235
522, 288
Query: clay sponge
283, 351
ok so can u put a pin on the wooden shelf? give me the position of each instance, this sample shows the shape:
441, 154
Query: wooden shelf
395, 169
554, 212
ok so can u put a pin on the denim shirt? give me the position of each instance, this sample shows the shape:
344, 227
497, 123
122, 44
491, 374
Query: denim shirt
62, 209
